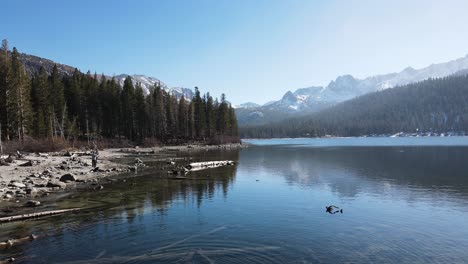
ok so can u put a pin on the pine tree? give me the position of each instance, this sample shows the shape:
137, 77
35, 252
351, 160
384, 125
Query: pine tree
183, 118
4, 83
42, 125
19, 98
58, 103
140, 113
127, 102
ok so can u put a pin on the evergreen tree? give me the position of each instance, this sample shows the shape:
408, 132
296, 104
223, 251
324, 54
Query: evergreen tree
19, 98
42, 124
58, 102
127, 103
140, 113
4, 83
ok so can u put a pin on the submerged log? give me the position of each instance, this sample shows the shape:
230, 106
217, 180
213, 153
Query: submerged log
208, 165
36, 215
137, 151
6, 261
13, 242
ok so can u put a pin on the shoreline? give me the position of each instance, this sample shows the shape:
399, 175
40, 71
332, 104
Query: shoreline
59, 173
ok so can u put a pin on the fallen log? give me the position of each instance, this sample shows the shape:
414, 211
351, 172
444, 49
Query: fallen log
208, 165
138, 151
36, 215
7, 261
13, 242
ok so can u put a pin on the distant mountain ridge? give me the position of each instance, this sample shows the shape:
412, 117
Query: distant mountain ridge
437, 106
312, 99
33, 65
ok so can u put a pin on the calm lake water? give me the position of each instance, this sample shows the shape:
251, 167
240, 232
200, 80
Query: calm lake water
405, 200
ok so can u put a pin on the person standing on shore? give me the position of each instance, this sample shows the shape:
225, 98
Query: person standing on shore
94, 157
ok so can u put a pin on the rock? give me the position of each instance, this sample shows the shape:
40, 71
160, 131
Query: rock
64, 167
31, 190
7, 196
99, 187
20, 195
32, 203
4, 163
10, 159
28, 163
132, 168
68, 177
20, 191
55, 183
17, 184
96, 169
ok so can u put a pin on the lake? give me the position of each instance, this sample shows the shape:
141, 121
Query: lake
404, 200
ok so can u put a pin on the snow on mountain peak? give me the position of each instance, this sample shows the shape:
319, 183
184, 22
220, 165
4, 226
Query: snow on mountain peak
148, 82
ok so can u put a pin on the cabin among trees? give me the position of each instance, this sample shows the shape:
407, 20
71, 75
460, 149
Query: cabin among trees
87, 106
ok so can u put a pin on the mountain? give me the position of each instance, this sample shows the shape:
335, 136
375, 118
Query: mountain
430, 106
148, 82
34, 63
247, 105
312, 99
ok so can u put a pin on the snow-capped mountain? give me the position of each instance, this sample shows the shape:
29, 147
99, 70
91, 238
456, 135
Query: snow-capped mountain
147, 83
316, 98
247, 105
34, 63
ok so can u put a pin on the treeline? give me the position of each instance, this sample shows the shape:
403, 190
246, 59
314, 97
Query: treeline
435, 105
86, 106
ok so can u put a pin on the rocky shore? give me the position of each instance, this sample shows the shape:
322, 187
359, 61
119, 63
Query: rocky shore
25, 178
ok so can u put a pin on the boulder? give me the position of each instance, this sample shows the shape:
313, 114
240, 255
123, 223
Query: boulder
67, 177
32, 203
55, 183
17, 184
10, 159
28, 163
31, 190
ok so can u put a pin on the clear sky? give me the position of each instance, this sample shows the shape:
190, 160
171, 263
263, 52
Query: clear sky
253, 50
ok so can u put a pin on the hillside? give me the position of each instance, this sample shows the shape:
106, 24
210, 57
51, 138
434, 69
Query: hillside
435, 105
33, 64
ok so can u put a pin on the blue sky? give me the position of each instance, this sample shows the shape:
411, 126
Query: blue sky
253, 50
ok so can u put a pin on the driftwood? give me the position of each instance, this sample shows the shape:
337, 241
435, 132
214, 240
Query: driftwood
138, 151
12, 242
35, 215
195, 166
7, 261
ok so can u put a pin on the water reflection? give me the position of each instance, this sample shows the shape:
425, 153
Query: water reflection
401, 205
123, 203
351, 171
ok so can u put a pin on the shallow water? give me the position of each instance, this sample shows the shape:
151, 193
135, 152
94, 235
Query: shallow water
403, 203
